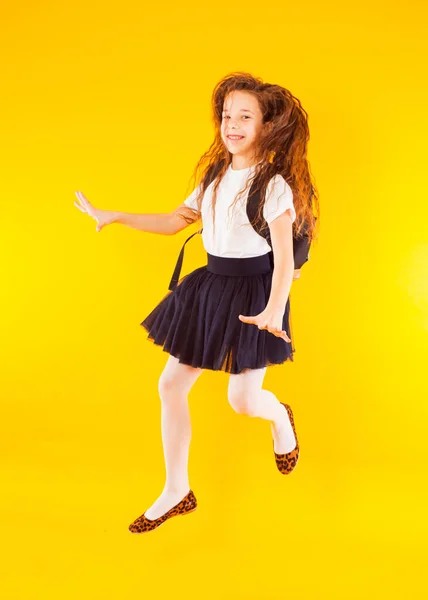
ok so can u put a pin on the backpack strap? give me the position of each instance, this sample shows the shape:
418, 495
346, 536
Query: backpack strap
176, 275
211, 174
301, 244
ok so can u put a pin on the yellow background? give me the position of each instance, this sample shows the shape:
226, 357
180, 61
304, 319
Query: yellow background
113, 99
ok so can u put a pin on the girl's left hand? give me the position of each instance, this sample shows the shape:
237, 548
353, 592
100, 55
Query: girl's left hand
270, 320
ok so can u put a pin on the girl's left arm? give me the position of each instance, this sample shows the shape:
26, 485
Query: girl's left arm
281, 232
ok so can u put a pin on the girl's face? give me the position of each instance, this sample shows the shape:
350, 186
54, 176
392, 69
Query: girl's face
241, 117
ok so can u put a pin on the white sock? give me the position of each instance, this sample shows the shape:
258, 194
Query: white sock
176, 437
266, 405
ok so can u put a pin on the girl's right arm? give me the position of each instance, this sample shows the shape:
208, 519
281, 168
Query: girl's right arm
162, 223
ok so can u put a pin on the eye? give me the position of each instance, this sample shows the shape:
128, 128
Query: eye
227, 116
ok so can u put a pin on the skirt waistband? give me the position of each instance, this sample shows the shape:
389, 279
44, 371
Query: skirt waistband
222, 265
253, 265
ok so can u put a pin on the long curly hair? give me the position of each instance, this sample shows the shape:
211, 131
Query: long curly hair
281, 149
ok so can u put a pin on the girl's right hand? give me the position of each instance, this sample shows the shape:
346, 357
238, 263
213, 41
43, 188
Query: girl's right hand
102, 217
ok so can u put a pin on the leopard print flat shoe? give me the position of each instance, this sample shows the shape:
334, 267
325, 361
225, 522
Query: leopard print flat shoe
286, 462
187, 505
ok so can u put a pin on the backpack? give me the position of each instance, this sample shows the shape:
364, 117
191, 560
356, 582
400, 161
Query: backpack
301, 244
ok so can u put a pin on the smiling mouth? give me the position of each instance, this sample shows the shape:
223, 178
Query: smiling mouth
235, 138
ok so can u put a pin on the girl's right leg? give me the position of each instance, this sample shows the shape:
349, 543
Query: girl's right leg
174, 386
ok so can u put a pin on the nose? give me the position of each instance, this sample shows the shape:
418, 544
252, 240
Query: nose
231, 123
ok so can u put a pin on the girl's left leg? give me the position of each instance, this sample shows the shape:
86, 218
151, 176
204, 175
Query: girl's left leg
246, 396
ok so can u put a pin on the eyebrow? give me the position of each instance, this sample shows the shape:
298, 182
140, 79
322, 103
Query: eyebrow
242, 110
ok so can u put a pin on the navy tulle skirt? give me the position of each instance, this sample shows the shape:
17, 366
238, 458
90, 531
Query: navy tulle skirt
197, 321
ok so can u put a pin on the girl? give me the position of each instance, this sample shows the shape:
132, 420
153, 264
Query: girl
233, 314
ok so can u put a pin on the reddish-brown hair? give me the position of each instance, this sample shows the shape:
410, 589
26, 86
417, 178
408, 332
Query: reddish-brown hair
282, 148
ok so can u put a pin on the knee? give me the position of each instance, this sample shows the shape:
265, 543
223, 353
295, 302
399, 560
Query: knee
169, 388
172, 387
240, 401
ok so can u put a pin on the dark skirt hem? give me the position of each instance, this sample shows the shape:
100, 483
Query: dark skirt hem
210, 367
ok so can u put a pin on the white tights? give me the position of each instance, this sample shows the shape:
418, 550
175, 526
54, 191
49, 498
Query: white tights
245, 395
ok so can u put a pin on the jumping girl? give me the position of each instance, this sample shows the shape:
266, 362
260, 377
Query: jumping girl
255, 199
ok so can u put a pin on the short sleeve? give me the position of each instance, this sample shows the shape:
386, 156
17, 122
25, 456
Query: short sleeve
191, 200
279, 198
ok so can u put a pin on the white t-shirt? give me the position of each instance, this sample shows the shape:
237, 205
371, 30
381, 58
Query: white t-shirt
234, 235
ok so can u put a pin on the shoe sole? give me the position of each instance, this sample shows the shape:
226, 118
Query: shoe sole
163, 522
